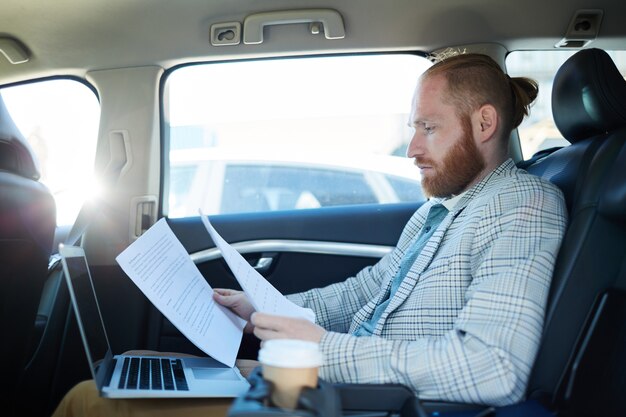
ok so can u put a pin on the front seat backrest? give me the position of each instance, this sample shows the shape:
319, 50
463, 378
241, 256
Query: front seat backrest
27, 225
595, 383
589, 108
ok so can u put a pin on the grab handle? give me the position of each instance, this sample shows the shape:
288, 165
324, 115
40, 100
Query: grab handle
331, 21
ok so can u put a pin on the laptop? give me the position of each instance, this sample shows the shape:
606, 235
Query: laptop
127, 376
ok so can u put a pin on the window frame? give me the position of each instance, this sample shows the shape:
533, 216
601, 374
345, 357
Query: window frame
164, 186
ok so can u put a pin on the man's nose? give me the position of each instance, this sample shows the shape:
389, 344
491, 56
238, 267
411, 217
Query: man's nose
415, 147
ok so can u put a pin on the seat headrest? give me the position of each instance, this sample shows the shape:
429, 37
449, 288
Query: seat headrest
588, 96
16, 155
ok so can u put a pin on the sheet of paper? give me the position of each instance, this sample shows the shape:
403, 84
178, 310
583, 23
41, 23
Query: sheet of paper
161, 267
263, 295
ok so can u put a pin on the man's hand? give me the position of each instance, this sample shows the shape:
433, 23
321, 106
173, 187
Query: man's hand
268, 326
237, 302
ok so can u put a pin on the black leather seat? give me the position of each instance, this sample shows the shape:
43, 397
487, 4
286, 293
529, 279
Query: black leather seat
589, 108
594, 383
27, 225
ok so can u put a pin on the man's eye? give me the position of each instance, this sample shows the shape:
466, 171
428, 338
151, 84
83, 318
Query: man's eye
429, 129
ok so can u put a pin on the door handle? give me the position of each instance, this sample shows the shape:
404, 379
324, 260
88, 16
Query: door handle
263, 264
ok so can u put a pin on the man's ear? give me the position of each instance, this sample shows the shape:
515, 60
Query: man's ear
485, 123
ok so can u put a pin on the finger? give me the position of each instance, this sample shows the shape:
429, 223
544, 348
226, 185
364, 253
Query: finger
268, 334
225, 300
271, 321
264, 323
218, 294
225, 291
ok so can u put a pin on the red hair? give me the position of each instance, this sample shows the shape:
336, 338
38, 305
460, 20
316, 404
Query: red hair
474, 80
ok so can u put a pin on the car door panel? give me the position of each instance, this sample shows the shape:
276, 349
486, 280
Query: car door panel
358, 234
308, 248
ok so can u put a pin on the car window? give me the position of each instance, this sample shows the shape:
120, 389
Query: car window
538, 131
272, 187
59, 118
288, 134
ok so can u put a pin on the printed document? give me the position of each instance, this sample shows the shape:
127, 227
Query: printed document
263, 295
161, 267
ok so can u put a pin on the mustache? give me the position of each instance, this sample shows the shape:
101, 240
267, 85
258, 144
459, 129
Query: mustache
423, 161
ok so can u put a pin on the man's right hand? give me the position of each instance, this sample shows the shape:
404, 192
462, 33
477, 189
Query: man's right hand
237, 302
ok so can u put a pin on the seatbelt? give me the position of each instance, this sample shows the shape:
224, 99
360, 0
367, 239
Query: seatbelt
88, 210
83, 219
110, 176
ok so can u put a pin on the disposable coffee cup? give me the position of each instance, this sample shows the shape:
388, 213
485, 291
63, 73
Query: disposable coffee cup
290, 365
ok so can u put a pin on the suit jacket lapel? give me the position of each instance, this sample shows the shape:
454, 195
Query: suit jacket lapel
427, 254
421, 263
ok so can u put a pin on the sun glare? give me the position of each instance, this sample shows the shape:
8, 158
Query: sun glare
59, 119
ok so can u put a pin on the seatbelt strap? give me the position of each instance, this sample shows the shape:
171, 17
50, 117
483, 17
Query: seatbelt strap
110, 176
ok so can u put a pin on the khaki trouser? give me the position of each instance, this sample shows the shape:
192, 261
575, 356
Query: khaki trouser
84, 400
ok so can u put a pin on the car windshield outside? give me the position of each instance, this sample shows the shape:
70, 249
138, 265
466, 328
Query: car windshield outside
292, 133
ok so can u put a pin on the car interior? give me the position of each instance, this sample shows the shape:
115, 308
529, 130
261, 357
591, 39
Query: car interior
114, 113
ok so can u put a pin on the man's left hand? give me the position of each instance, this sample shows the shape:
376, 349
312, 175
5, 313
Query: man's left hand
268, 326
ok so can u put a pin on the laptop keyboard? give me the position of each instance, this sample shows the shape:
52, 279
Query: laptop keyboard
153, 374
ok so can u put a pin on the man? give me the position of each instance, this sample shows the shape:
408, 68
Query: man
455, 312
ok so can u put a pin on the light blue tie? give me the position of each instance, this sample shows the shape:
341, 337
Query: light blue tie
436, 214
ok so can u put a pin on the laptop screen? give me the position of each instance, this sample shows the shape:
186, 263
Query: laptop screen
85, 302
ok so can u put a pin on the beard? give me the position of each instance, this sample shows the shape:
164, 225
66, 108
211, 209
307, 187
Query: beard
459, 167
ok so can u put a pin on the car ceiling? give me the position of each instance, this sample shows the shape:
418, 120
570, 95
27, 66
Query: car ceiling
72, 37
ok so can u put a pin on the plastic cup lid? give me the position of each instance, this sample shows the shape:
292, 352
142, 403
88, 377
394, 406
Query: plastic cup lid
289, 353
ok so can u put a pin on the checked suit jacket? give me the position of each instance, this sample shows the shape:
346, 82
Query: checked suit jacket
466, 321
